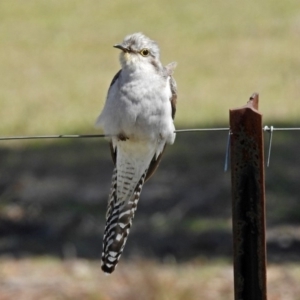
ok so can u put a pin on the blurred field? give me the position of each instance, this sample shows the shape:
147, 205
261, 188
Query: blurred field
57, 60
50, 279
53, 200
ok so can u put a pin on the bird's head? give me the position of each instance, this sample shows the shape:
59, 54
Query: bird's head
138, 50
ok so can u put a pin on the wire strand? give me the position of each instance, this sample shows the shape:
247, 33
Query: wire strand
57, 136
80, 136
283, 128
200, 129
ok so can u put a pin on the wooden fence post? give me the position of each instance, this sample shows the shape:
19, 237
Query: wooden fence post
248, 202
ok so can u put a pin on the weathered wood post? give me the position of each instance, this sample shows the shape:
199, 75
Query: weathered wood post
248, 202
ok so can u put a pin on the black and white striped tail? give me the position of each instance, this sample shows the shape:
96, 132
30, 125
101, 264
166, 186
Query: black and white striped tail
118, 222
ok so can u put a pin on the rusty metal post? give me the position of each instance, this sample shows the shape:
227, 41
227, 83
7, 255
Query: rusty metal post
248, 202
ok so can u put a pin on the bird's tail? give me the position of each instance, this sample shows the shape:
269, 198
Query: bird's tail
118, 222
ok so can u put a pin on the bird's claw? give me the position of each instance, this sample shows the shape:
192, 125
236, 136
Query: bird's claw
122, 137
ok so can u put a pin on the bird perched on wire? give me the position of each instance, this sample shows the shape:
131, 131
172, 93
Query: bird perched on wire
138, 116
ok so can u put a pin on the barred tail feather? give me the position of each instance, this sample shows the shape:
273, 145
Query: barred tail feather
118, 222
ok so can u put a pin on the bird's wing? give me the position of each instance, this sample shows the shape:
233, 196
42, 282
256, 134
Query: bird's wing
154, 164
113, 151
168, 71
115, 79
173, 99
100, 119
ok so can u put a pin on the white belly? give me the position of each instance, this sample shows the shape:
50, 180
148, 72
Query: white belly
139, 112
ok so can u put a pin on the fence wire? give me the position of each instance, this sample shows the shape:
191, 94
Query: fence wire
269, 129
81, 136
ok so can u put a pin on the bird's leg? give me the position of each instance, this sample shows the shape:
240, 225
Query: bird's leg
122, 137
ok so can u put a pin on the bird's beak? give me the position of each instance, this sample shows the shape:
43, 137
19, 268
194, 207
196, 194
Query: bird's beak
118, 46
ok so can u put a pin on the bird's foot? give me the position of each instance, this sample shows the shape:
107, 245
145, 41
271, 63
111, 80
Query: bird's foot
122, 137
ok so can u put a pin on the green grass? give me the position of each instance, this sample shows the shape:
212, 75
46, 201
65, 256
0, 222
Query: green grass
203, 224
57, 60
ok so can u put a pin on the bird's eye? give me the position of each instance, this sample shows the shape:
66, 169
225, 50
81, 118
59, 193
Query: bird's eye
144, 52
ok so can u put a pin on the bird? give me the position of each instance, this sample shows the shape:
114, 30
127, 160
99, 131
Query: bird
138, 119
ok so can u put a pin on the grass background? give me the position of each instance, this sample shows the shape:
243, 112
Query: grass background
57, 59
56, 63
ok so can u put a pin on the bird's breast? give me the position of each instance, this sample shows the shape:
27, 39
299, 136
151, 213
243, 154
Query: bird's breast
144, 107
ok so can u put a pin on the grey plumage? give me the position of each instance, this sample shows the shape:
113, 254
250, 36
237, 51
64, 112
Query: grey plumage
138, 114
